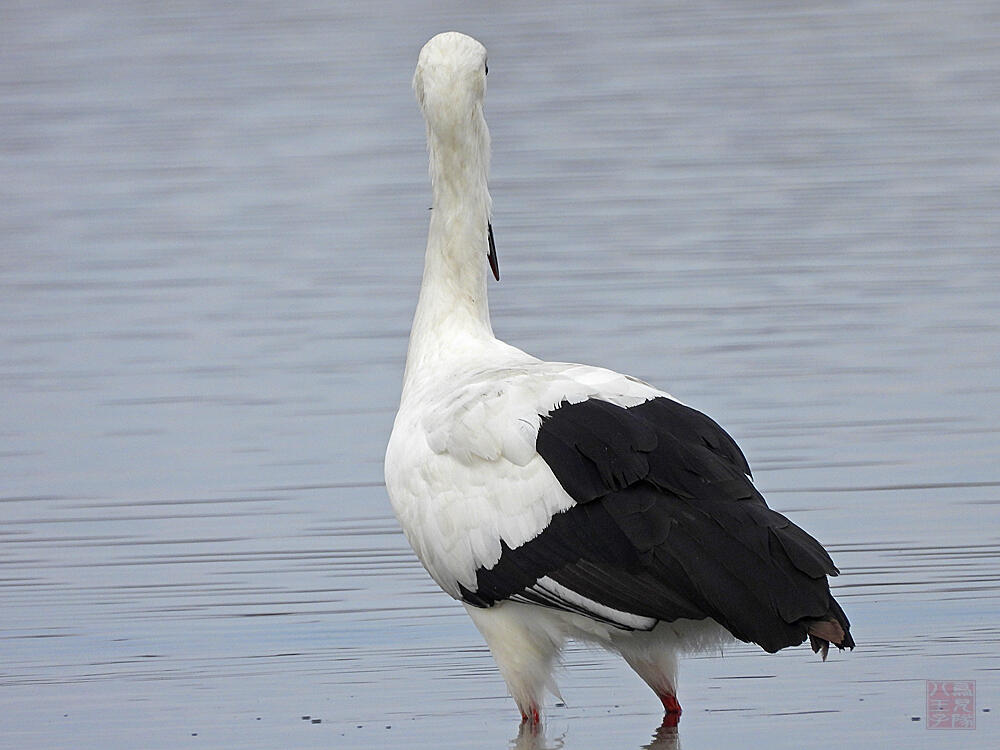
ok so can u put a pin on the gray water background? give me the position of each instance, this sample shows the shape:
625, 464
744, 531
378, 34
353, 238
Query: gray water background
212, 219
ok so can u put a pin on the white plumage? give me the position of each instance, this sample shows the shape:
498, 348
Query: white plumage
462, 469
478, 500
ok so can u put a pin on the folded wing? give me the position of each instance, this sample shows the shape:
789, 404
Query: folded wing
666, 524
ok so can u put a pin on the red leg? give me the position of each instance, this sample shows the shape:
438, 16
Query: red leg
532, 717
671, 709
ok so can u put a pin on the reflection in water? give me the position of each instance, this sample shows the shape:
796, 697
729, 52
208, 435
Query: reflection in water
534, 738
665, 738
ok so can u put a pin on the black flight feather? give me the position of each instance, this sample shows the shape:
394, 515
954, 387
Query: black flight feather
667, 525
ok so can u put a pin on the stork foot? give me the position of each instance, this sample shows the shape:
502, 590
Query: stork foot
531, 717
671, 709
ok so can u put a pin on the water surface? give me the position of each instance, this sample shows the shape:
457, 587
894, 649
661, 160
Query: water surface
213, 221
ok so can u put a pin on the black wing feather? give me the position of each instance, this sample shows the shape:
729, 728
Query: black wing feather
667, 525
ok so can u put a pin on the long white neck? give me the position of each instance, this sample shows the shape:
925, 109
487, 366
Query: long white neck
452, 310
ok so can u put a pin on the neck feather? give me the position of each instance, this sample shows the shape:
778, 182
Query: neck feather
453, 309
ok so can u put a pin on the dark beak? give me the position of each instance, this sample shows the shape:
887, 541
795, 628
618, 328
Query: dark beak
493, 254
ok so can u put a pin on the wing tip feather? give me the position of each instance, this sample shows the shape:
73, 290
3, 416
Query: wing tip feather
824, 632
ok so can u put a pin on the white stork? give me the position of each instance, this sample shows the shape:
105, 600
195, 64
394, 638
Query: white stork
563, 501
